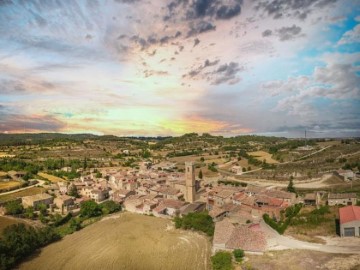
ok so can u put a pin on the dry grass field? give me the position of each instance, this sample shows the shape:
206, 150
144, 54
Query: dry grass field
261, 155
22, 193
126, 241
50, 177
4, 154
5, 185
302, 260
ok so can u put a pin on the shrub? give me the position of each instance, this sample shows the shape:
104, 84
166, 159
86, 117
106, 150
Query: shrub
222, 261
238, 254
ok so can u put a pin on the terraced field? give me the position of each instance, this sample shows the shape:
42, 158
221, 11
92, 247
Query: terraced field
51, 178
126, 241
22, 193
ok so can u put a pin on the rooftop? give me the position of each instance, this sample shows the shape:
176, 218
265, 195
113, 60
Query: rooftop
349, 213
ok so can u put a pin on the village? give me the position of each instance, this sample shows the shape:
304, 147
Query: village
236, 210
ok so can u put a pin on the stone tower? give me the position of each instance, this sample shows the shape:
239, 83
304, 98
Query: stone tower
190, 182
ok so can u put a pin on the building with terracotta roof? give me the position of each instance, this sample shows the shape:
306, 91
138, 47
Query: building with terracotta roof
349, 221
228, 236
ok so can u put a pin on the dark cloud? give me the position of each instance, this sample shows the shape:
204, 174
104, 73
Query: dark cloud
197, 9
196, 41
291, 8
225, 12
16, 122
267, 33
226, 73
200, 27
288, 33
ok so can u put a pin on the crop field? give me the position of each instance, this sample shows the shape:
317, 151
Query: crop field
51, 178
126, 241
261, 155
6, 185
22, 193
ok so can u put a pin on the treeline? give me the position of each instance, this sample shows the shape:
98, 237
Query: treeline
19, 241
197, 221
184, 153
10, 164
232, 183
284, 222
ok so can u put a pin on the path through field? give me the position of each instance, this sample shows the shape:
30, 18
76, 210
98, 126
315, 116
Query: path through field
126, 241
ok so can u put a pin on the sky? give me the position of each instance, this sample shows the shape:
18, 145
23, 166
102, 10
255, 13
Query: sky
169, 67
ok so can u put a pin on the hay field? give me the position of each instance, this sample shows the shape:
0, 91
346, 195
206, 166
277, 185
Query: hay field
51, 178
5, 185
22, 193
261, 155
126, 241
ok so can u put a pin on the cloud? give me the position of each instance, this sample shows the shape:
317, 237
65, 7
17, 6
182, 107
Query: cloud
196, 41
226, 73
292, 8
200, 27
33, 123
20, 86
288, 33
199, 9
351, 36
333, 82
267, 33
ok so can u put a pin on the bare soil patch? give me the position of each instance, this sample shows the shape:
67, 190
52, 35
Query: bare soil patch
126, 241
302, 260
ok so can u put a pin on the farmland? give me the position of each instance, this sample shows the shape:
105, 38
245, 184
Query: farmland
8, 185
50, 177
126, 241
261, 155
25, 192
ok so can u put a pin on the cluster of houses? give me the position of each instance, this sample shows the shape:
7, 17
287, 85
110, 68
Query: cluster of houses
236, 210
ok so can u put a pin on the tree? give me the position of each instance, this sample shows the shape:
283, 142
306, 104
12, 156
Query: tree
222, 261
238, 254
109, 207
73, 191
202, 159
291, 187
90, 209
14, 208
200, 174
29, 212
75, 224
42, 207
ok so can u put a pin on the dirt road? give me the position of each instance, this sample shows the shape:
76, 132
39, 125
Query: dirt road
280, 242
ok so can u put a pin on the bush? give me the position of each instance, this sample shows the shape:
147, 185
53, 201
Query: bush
197, 221
19, 241
109, 207
222, 261
14, 208
90, 209
238, 254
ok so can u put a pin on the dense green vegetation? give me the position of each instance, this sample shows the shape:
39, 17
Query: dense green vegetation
313, 218
19, 241
232, 183
198, 221
222, 260
286, 218
11, 164
14, 208
239, 254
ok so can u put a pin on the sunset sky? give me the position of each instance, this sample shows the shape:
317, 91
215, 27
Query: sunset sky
167, 67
